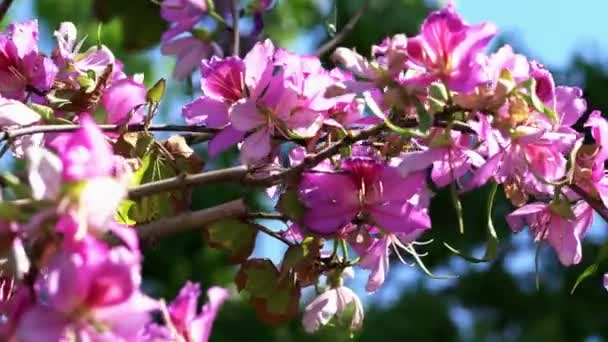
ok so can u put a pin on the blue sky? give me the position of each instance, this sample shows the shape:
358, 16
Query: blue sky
552, 31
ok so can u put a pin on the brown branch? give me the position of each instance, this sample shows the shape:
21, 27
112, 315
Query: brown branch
190, 220
15, 133
236, 34
267, 216
6, 4
596, 204
346, 30
272, 234
236, 173
314, 159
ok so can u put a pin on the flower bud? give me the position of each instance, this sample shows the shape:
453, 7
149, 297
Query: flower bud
330, 304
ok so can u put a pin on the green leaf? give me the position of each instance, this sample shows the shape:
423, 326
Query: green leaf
533, 100
290, 205
301, 259
591, 269
45, 112
425, 119
406, 132
13, 182
258, 277
275, 300
234, 236
563, 209
153, 207
122, 213
155, 94
438, 91
10, 211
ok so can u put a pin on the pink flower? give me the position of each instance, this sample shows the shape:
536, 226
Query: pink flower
185, 321
182, 39
180, 10
15, 114
124, 101
564, 231
73, 63
85, 153
376, 259
330, 303
449, 49
22, 67
90, 292
363, 186
449, 162
189, 51
525, 159
589, 171
225, 82
44, 173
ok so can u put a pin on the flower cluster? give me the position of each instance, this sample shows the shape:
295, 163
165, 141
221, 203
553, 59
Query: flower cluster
353, 156
445, 108
63, 275
190, 42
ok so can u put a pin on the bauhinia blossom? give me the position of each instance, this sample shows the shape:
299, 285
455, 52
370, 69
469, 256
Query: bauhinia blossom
22, 68
184, 321
363, 187
90, 293
448, 49
563, 227
332, 303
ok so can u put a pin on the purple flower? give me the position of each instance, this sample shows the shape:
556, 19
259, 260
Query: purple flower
44, 173
563, 229
90, 292
182, 39
124, 101
15, 114
224, 83
185, 322
179, 10
21, 65
449, 49
85, 153
72, 63
363, 186
525, 160
188, 50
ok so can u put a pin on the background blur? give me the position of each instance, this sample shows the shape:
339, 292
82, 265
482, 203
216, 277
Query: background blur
496, 301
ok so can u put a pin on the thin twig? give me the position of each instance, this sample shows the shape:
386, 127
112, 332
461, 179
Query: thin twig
190, 220
314, 159
267, 216
236, 34
272, 234
236, 173
6, 4
15, 133
596, 204
346, 30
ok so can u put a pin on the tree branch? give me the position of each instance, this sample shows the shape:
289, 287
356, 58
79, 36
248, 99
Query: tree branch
346, 30
271, 233
596, 204
16, 133
314, 159
236, 173
190, 220
236, 34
